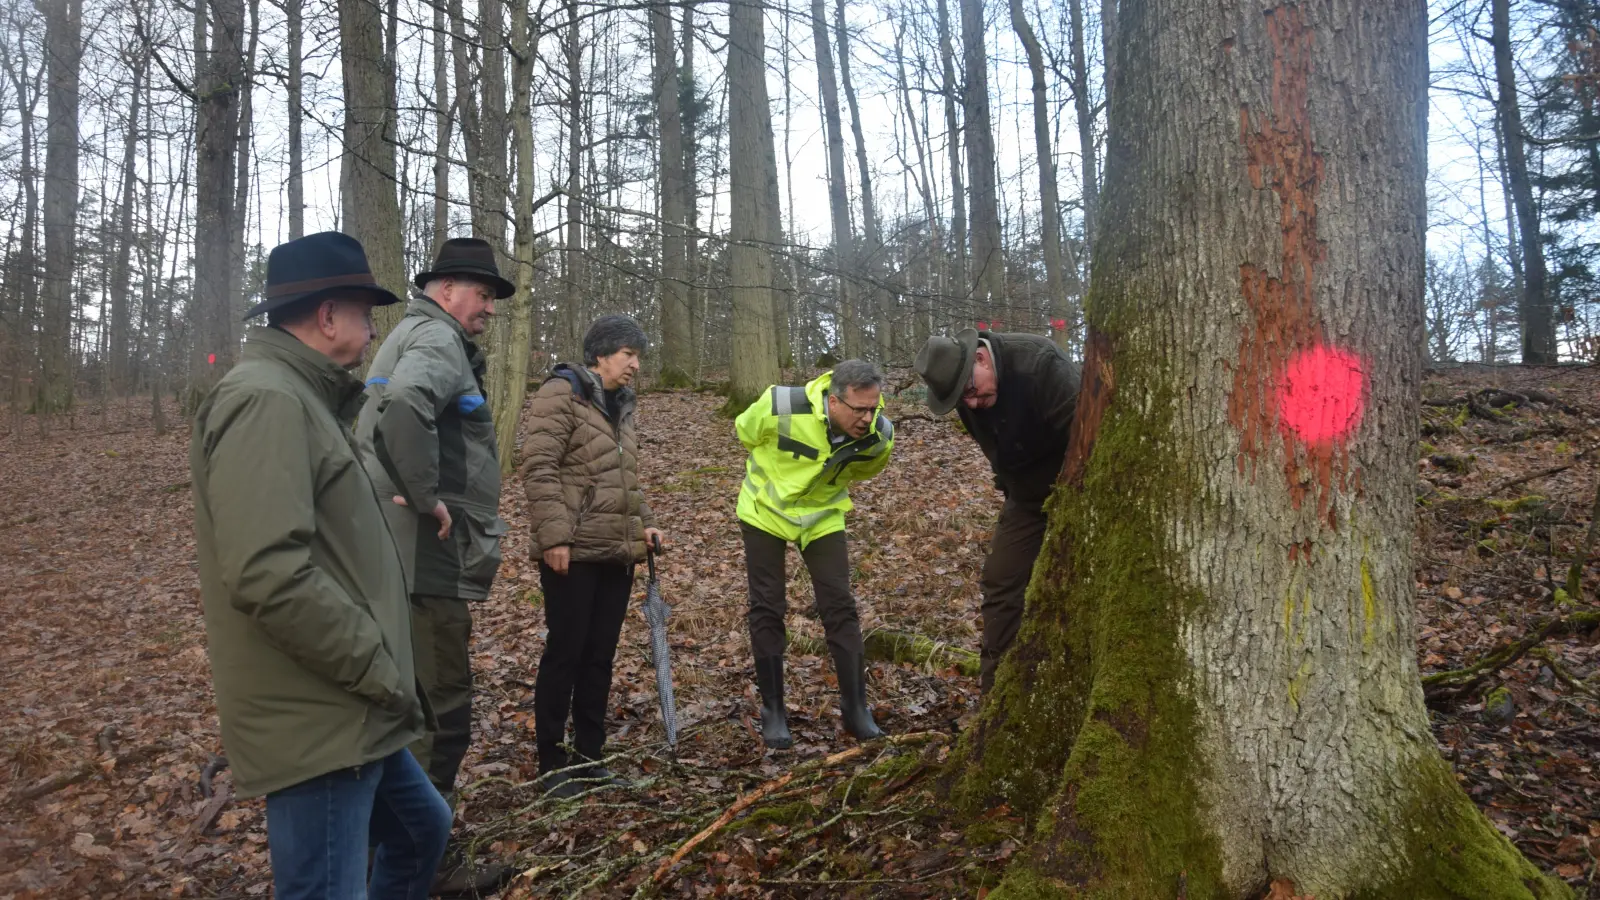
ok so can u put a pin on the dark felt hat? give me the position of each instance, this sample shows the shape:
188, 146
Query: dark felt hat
945, 364
315, 266
467, 258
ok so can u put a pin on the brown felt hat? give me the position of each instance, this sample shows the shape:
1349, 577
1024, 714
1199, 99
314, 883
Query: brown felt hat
945, 365
470, 258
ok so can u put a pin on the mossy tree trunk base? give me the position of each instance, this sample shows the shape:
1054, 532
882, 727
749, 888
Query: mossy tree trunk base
1215, 687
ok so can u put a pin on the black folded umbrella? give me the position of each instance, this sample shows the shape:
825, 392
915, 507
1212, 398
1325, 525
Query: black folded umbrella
656, 612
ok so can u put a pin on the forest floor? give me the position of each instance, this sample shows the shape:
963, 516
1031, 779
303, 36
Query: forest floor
109, 720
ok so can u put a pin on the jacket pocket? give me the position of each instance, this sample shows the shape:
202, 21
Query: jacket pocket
480, 557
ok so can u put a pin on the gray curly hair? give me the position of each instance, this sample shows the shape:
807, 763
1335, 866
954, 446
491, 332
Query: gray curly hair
611, 334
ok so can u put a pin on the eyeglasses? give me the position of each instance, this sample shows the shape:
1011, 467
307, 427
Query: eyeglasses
858, 410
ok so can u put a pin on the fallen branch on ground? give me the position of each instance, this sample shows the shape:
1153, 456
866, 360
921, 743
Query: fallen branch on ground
1444, 688
884, 645
83, 771
755, 796
1535, 476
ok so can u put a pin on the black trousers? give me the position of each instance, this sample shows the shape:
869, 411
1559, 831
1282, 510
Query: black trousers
1017, 538
584, 610
828, 560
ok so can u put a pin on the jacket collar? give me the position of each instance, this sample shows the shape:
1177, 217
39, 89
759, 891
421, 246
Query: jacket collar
588, 387
333, 383
421, 304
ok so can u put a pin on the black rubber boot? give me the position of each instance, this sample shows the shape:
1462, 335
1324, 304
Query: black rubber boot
851, 668
774, 718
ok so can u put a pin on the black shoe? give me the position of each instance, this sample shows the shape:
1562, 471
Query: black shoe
774, 718
462, 877
600, 776
853, 709
562, 786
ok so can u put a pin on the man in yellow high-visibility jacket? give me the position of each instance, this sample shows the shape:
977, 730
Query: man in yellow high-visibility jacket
807, 444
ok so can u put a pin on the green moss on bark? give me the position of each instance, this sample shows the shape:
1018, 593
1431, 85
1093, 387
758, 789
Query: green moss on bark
1455, 854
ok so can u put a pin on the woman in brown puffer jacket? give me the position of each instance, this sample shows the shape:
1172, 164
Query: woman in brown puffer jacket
580, 467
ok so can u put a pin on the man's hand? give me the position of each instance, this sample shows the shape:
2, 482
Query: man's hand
655, 539
557, 558
439, 513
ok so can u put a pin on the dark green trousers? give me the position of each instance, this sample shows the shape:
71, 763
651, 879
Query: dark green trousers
1018, 537
441, 632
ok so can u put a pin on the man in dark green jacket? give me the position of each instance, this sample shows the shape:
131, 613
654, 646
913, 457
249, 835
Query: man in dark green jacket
428, 441
1016, 394
307, 620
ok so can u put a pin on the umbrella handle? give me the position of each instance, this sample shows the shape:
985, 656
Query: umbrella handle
650, 559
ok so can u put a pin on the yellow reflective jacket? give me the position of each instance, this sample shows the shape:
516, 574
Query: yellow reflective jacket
796, 483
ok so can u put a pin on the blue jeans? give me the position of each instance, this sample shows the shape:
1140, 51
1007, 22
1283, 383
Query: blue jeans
319, 831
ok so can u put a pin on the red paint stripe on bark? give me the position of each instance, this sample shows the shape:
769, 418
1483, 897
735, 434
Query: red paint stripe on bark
1099, 383
1284, 324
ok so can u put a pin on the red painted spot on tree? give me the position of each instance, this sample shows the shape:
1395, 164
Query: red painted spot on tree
211, 359
1322, 394
1058, 324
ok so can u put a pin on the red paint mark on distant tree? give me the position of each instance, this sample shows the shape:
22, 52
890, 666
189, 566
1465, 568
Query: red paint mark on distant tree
1058, 324
1322, 394
211, 359
983, 326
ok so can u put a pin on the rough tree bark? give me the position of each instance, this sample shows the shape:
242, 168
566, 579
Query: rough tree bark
987, 268
677, 340
1085, 116
371, 211
509, 383
1215, 689
1537, 311
119, 361
220, 78
754, 347
63, 49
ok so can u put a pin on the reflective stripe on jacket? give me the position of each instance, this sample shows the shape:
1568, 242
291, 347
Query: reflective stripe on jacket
797, 484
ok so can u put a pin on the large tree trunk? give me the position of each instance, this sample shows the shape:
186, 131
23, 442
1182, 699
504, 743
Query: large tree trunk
677, 340
1537, 311
846, 294
987, 266
1216, 686
371, 211
241, 179
215, 310
950, 89
754, 347
27, 262
63, 52
689, 109
922, 326
1055, 272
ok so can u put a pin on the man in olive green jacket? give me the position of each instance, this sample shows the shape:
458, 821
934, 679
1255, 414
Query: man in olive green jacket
307, 620
428, 441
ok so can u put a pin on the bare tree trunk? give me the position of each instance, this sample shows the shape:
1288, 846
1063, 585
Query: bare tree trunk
509, 383
241, 180
63, 52
754, 349
691, 194
1050, 219
1216, 690
27, 88
572, 269
846, 294
117, 362
296, 180
1108, 45
1085, 116
1537, 311
869, 261
215, 309
677, 340
371, 210
441, 129
988, 269
951, 89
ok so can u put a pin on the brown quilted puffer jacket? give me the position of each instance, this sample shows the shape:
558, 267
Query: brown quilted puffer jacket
581, 471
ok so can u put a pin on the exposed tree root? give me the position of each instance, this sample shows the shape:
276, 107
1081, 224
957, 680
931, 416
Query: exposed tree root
901, 647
